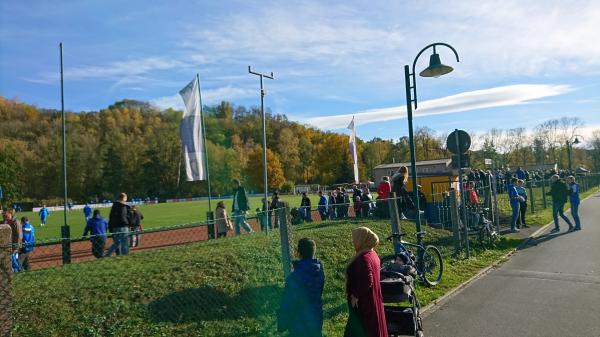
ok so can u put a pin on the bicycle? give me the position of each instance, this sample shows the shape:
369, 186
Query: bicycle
483, 228
427, 261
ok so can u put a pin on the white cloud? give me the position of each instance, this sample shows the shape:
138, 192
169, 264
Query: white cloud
472, 100
209, 96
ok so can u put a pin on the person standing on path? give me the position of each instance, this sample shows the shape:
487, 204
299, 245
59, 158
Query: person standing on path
240, 207
118, 224
513, 195
97, 227
44, 212
574, 199
363, 291
223, 223
559, 192
522, 192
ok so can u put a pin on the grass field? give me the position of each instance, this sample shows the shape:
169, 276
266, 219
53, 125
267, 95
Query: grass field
228, 287
155, 215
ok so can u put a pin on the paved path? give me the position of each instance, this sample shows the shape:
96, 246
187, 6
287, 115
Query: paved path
549, 288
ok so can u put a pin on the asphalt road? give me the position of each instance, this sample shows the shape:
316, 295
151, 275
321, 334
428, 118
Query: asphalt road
549, 288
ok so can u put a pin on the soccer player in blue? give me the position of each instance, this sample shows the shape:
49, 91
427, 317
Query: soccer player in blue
87, 212
44, 212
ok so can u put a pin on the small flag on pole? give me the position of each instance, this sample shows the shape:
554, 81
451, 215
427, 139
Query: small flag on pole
190, 131
353, 149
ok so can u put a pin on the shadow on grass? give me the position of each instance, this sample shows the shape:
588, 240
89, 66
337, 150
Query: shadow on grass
213, 304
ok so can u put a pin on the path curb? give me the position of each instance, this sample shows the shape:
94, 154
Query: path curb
432, 307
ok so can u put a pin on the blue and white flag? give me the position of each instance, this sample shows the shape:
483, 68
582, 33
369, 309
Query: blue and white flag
190, 132
353, 149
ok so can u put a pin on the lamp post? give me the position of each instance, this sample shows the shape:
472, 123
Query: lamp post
264, 142
435, 69
570, 150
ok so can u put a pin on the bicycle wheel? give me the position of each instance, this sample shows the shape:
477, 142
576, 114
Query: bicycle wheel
432, 266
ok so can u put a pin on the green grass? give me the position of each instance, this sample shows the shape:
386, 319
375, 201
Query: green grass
228, 287
155, 215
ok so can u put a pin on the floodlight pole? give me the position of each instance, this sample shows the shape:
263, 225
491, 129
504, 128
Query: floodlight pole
65, 230
412, 98
264, 141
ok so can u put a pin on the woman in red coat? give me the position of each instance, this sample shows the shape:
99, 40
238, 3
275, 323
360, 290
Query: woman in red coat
363, 292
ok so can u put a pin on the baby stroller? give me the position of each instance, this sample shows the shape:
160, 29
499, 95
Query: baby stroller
401, 305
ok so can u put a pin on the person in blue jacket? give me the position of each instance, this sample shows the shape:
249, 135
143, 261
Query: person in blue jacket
513, 195
44, 212
28, 243
97, 226
574, 199
87, 212
322, 206
301, 308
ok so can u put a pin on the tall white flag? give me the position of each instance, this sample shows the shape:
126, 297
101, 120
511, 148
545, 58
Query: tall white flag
353, 149
190, 132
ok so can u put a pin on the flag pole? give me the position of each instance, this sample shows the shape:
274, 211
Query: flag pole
205, 148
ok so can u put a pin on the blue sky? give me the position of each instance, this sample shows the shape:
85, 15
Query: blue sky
521, 63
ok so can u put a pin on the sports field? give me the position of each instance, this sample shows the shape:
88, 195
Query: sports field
155, 215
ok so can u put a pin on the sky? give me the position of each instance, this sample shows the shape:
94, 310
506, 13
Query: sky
520, 62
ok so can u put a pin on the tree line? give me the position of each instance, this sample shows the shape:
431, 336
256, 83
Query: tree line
133, 146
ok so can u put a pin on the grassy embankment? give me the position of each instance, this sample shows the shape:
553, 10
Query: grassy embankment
228, 287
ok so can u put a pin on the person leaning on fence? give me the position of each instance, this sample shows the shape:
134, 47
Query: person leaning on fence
513, 196
118, 224
363, 290
96, 226
322, 207
559, 192
240, 208
403, 199
574, 200
135, 227
305, 207
8, 218
223, 223
301, 308
383, 193
522, 191
331, 207
27, 244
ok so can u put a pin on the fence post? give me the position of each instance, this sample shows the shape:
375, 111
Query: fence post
210, 224
455, 221
285, 234
531, 198
5, 280
544, 193
495, 209
394, 216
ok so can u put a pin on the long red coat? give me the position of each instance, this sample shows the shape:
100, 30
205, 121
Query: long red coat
368, 317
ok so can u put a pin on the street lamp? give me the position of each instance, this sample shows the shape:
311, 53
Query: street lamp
570, 149
435, 69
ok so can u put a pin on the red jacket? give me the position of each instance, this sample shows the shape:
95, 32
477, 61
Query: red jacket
384, 189
363, 283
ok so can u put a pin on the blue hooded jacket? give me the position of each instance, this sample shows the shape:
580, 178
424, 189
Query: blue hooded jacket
574, 194
301, 308
96, 226
28, 238
87, 210
44, 212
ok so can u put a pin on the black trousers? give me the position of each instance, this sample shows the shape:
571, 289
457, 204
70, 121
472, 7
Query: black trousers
523, 210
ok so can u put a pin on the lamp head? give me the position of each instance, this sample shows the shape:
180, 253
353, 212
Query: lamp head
436, 68
576, 141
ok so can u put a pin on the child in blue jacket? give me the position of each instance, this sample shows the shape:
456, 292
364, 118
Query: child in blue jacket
301, 308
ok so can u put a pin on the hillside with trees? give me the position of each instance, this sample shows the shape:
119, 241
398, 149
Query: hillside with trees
132, 146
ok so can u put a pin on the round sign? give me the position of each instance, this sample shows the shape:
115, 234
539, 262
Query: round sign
464, 142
